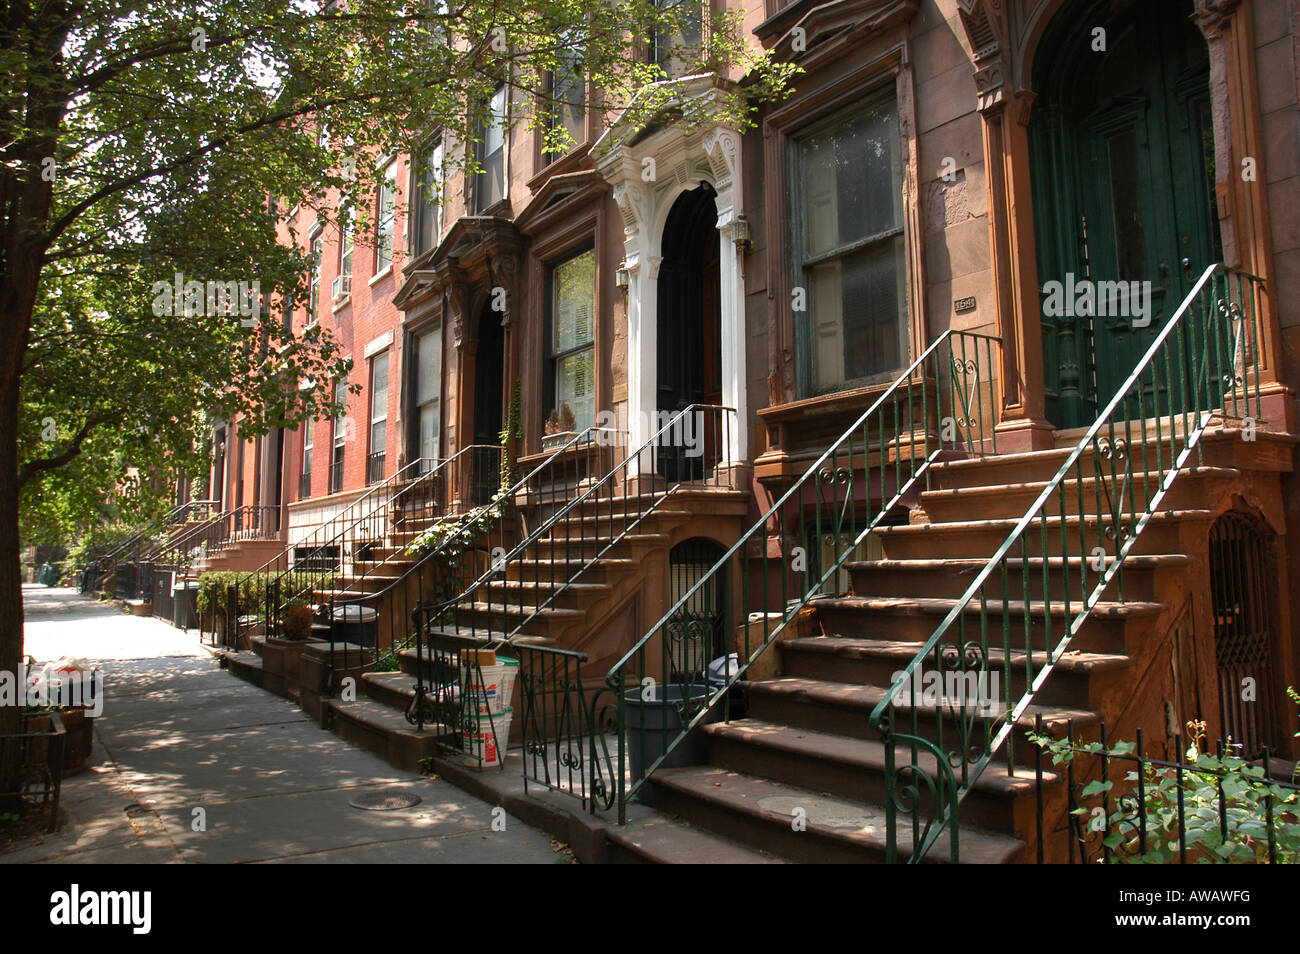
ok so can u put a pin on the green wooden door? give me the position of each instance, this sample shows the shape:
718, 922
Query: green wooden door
1121, 187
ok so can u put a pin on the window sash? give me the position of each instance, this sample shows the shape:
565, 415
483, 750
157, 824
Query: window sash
427, 189
848, 245
572, 337
386, 219
490, 183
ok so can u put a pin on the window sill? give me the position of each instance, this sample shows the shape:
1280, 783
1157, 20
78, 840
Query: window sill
342, 303
380, 276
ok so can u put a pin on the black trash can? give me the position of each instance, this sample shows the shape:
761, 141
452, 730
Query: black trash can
185, 614
357, 624
654, 719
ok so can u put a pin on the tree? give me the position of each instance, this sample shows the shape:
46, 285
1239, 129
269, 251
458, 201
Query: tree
139, 140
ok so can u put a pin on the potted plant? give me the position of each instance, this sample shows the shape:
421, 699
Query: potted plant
559, 427
297, 619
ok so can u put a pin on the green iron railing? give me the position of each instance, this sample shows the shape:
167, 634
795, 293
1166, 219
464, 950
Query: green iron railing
1004, 635
938, 407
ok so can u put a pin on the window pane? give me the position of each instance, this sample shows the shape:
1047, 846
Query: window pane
573, 309
427, 200
857, 308
386, 218
575, 383
378, 437
850, 177
429, 431
428, 367
379, 387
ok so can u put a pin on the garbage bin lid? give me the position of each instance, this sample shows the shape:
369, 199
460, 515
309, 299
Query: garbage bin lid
354, 613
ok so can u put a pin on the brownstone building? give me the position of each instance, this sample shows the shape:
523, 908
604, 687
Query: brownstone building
1016, 205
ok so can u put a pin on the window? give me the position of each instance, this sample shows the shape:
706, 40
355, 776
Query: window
426, 199
385, 218
345, 243
308, 450
428, 393
568, 96
672, 47
490, 184
313, 295
849, 251
340, 437
572, 318
378, 418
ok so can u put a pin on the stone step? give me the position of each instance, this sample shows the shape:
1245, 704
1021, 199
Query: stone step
245, 664
651, 837
1165, 532
1194, 488
874, 663
951, 577
384, 730
844, 709
761, 812
854, 769
1110, 626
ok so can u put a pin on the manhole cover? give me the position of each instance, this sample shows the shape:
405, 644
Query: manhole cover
385, 800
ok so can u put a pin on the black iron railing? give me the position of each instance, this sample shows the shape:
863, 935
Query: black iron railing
131, 549
532, 571
31, 764
375, 467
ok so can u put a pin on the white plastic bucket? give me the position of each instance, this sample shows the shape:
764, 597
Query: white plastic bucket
484, 747
483, 695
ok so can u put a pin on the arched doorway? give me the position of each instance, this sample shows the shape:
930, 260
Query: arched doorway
689, 317
1121, 148
1240, 574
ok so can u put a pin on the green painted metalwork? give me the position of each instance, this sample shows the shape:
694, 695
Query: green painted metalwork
1014, 622
940, 406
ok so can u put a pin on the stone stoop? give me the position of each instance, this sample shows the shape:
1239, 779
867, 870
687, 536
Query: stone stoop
803, 775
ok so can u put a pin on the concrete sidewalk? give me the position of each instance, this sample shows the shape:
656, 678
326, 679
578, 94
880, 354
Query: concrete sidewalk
191, 764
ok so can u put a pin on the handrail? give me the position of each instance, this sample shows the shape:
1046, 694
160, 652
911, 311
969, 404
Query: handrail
499, 567
1227, 363
426, 477
953, 399
168, 520
465, 531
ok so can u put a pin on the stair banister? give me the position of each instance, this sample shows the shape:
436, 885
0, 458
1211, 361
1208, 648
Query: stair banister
1227, 362
951, 385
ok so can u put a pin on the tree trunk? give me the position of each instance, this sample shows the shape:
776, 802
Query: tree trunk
17, 299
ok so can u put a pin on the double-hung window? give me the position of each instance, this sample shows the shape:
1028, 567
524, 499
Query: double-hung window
850, 258
426, 198
386, 217
340, 436
378, 418
572, 337
313, 293
490, 183
428, 393
308, 451
568, 104
345, 245
677, 40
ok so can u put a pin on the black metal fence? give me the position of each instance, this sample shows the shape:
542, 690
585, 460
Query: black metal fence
31, 764
1122, 804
